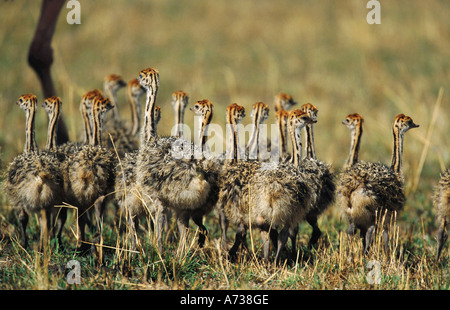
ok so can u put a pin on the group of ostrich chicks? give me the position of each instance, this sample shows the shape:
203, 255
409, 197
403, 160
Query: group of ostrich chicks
146, 175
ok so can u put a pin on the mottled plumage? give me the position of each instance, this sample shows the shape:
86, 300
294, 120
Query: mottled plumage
90, 174
127, 194
185, 185
320, 172
91, 171
180, 183
234, 191
34, 181
53, 107
281, 117
280, 198
283, 101
117, 133
367, 190
133, 197
269, 196
257, 146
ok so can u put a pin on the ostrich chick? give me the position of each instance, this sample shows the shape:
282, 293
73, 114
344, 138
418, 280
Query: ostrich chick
34, 181
368, 190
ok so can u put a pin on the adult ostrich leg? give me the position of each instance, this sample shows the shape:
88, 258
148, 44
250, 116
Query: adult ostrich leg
40, 54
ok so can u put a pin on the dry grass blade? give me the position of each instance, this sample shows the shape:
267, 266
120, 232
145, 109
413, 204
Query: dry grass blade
423, 156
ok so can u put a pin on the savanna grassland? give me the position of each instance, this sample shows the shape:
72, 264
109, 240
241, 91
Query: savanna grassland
323, 52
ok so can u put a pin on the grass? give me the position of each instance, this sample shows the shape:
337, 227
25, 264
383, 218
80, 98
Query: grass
247, 51
337, 263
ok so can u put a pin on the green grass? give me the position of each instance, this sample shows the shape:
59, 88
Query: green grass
321, 52
337, 263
